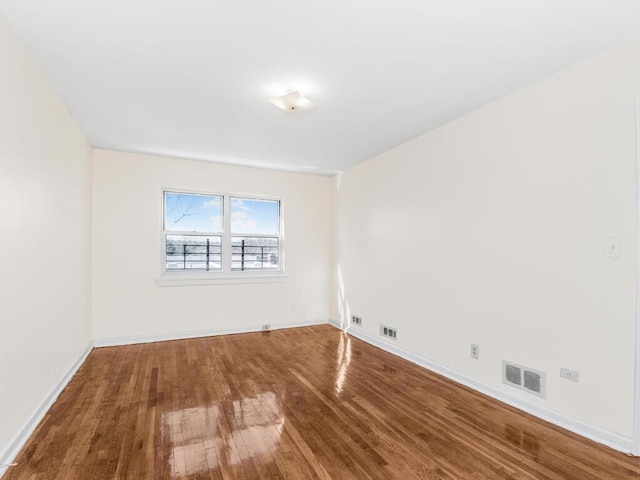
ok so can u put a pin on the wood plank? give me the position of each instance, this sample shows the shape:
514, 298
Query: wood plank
305, 403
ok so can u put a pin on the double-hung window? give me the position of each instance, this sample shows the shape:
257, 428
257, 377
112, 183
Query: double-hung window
255, 234
220, 233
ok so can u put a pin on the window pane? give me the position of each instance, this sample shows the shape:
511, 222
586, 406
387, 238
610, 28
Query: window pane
254, 253
193, 252
192, 213
261, 217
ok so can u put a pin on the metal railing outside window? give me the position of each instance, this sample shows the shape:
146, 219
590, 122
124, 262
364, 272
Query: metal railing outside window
193, 252
254, 253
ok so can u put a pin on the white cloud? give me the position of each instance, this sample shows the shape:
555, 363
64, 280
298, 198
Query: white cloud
238, 204
242, 223
213, 203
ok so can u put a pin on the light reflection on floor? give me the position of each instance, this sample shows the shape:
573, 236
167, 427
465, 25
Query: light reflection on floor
344, 359
210, 437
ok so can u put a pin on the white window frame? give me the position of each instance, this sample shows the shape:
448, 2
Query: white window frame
226, 275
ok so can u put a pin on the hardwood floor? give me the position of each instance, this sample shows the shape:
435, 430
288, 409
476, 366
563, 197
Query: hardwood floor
300, 403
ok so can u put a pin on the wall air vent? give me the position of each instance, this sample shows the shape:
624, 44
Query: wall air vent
524, 378
513, 374
388, 332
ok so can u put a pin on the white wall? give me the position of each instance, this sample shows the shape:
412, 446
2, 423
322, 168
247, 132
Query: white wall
509, 208
491, 230
127, 206
45, 228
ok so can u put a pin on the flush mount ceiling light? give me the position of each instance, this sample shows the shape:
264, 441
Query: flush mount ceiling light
293, 102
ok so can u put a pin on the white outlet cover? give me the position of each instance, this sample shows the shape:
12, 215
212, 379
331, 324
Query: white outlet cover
612, 248
570, 374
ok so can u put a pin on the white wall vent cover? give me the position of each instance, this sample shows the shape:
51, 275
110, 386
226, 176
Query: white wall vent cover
524, 378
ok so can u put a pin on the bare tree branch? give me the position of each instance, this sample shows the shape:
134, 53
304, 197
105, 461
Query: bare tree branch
185, 214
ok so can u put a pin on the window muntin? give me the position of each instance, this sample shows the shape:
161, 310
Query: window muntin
198, 239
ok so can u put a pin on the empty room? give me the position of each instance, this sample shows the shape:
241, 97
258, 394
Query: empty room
319, 240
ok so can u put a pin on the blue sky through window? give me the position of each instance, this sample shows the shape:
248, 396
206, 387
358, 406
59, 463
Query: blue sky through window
203, 213
255, 216
193, 213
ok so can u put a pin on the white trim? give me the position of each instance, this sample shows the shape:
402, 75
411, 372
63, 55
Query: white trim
597, 434
184, 280
636, 390
8, 455
338, 325
226, 236
163, 337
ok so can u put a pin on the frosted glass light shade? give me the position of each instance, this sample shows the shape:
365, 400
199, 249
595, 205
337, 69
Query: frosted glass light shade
293, 102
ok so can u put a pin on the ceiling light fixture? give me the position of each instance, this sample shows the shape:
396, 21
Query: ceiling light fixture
293, 102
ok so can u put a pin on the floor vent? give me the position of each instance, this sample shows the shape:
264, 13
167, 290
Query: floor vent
388, 332
356, 320
524, 378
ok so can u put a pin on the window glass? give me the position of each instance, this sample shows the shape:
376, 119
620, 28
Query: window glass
192, 212
255, 253
254, 216
196, 237
193, 252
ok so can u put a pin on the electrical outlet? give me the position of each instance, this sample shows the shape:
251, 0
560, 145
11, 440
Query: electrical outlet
475, 351
389, 332
266, 327
356, 320
570, 374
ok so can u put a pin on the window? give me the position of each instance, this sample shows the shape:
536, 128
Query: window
205, 233
192, 232
255, 227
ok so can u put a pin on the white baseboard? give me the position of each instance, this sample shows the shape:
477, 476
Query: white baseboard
8, 455
338, 325
592, 432
162, 337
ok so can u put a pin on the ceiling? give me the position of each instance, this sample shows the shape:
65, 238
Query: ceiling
192, 78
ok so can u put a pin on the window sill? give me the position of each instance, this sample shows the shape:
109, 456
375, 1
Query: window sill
182, 280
